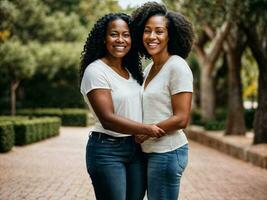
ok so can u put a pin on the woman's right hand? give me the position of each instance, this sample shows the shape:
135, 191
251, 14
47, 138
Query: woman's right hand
154, 131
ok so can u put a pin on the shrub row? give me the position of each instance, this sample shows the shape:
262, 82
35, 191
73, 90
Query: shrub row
220, 122
6, 136
69, 117
30, 131
214, 125
26, 131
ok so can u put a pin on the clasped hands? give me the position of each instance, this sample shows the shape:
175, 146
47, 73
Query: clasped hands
151, 131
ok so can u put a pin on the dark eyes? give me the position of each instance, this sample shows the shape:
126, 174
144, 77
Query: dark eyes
159, 32
125, 35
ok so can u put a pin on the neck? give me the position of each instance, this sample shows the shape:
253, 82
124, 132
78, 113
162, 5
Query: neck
113, 62
160, 59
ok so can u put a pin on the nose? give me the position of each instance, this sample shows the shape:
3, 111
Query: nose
120, 39
152, 35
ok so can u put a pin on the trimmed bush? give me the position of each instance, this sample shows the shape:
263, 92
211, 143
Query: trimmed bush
29, 131
40, 112
214, 125
74, 117
221, 114
6, 136
12, 118
249, 118
196, 117
221, 117
69, 117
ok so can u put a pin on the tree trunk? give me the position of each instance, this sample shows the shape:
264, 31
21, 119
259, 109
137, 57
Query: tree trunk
259, 49
235, 119
13, 88
208, 61
207, 95
260, 120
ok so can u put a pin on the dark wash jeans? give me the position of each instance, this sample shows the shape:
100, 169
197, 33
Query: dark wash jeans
116, 166
164, 172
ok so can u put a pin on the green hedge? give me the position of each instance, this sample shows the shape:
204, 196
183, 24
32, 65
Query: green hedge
12, 119
74, 117
220, 122
196, 117
69, 117
249, 118
6, 136
30, 131
40, 112
214, 125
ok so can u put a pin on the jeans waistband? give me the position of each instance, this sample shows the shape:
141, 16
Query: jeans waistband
99, 135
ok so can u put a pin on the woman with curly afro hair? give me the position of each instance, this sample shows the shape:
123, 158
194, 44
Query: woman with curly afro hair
111, 80
167, 38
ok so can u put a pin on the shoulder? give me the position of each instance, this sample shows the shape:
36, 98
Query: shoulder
95, 68
178, 64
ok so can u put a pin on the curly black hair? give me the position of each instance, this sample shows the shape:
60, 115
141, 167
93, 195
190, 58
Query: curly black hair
95, 47
180, 30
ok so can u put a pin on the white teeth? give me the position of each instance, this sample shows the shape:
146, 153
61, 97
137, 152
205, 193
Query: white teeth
119, 47
152, 45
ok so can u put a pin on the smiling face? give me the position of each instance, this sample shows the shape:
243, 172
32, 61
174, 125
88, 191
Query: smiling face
118, 39
155, 36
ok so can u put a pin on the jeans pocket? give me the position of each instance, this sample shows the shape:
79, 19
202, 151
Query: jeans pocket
182, 156
110, 141
104, 141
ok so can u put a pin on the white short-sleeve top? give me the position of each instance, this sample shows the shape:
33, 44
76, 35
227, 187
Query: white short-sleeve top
174, 77
125, 93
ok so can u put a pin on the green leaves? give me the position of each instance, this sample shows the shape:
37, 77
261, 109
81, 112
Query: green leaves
62, 27
8, 14
16, 62
55, 56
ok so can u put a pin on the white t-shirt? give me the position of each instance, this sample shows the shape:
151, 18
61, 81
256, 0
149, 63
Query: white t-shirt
174, 77
125, 93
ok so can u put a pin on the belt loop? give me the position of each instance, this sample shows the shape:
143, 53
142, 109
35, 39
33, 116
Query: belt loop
98, 136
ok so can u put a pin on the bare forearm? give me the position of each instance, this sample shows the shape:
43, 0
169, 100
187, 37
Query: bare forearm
123, 125
102, 104
173, 123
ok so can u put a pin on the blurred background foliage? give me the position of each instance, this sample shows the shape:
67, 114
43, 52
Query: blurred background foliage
40, 46
41, 43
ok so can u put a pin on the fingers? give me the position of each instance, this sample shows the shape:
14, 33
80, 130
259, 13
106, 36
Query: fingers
159, 132
141, 138
155, 131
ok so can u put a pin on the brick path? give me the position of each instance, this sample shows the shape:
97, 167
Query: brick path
55, 169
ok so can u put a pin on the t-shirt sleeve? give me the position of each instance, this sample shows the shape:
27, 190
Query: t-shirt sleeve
181, 78
93, 78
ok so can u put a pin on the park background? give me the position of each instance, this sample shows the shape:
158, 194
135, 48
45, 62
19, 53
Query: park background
40, 47
41, 43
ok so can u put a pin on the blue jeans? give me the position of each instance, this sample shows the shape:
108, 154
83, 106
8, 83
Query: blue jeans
164, 173
116, 166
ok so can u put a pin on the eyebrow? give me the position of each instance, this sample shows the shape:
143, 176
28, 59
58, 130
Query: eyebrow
156, 27
114, 30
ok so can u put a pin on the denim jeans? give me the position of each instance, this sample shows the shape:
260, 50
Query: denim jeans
164, 173
116, 166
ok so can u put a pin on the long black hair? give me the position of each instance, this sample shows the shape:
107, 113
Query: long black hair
95, 47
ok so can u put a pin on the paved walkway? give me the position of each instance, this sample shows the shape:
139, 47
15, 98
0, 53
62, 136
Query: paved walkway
54, 169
